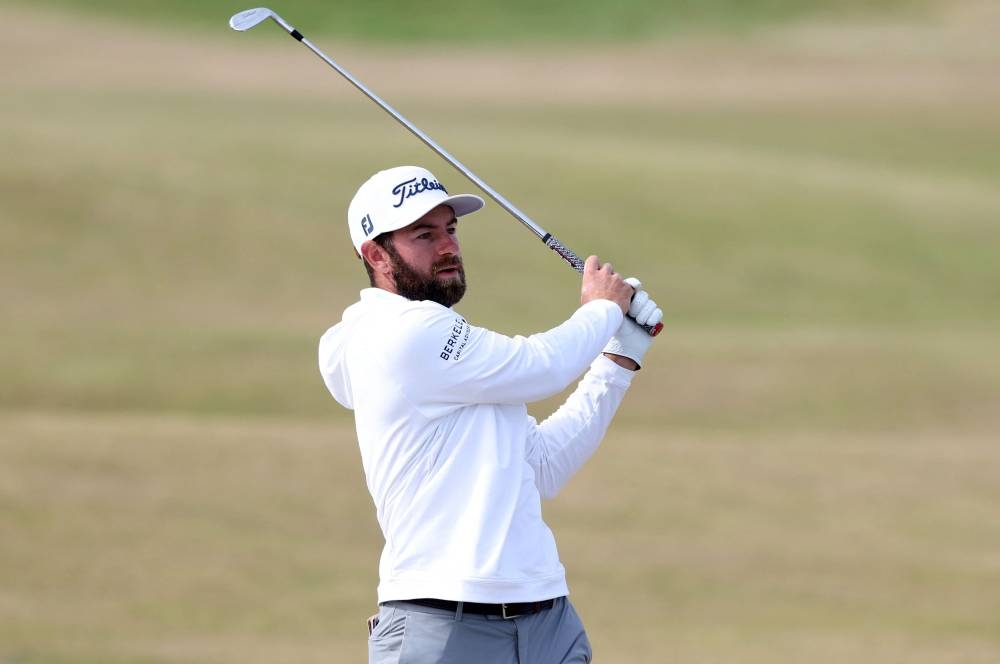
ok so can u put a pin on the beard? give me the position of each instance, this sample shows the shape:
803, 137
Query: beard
415, 286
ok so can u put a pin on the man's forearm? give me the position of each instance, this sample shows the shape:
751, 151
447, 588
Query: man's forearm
622, 361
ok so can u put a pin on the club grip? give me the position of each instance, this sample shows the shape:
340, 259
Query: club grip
576, 263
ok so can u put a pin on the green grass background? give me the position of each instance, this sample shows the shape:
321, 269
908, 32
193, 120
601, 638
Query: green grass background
487, 21
807, 468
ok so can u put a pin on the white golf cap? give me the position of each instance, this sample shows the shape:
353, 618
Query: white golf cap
394, 198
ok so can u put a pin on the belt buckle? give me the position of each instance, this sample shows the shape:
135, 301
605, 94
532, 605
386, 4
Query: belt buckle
508, 616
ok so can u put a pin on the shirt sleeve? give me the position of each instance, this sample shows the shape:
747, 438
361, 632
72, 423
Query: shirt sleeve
441, 360
560, 445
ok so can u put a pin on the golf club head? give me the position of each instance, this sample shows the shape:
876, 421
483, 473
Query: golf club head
249, 18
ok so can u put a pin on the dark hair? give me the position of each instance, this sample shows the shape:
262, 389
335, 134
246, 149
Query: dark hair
385, 241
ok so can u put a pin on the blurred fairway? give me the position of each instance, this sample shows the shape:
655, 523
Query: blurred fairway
808, 469
477, 22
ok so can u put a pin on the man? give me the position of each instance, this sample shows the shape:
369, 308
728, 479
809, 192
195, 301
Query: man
456, 467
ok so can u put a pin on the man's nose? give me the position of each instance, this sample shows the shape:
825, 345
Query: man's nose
448, 245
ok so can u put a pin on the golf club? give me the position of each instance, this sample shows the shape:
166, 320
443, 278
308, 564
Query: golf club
250, 18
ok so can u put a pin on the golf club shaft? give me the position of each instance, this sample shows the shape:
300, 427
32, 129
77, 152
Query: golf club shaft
562, 250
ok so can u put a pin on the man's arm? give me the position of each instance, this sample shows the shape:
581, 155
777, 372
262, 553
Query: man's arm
441, 359
446, 361
560, 445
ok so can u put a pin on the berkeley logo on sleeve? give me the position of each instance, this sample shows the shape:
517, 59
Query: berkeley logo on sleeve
458, 336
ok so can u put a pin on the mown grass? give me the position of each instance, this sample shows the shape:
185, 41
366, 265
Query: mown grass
170, 539
805, 470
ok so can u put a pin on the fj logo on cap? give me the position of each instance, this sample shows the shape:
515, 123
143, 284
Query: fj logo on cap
413, 186
366, 225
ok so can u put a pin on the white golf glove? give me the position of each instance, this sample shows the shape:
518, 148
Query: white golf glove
630, 340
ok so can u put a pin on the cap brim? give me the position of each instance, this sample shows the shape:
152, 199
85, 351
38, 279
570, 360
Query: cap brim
462, 204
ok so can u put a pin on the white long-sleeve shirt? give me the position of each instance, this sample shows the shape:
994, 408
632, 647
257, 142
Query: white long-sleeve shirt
454, 463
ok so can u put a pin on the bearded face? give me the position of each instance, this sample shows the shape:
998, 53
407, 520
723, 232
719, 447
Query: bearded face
444, 284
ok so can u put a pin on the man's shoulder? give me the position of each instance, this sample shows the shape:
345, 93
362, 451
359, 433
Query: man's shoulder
397, 320
376, 302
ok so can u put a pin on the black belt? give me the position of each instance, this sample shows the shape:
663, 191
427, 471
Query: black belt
505, 611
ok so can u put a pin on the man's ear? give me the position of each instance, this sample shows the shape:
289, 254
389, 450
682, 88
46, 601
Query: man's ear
377, 257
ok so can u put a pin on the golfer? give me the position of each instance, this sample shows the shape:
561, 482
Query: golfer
455, 465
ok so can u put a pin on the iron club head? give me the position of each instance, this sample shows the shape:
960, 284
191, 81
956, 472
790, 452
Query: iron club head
249, 18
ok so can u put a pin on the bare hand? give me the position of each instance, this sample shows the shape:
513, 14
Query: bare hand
601, 282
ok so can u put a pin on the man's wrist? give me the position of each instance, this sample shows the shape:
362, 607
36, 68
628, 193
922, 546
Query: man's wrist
622, 361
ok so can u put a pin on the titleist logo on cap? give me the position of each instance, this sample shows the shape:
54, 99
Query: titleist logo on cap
413, 186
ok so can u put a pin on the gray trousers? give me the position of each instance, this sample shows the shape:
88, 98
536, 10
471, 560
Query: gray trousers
411, 634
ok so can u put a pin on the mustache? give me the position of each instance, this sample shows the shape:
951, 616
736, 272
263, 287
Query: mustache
447, 264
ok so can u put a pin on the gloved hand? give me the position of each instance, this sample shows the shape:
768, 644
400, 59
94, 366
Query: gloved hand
642, 308
630, 340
